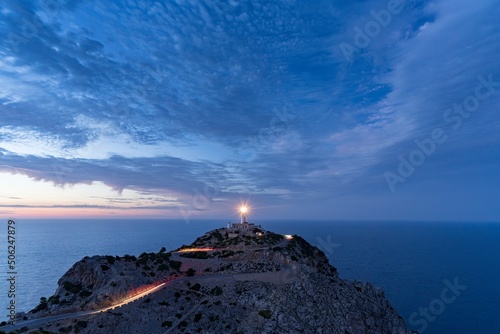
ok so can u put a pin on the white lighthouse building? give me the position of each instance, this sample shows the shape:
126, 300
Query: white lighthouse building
243, 226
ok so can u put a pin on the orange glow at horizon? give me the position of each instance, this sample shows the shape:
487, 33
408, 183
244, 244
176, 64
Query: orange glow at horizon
89, 213
24, 197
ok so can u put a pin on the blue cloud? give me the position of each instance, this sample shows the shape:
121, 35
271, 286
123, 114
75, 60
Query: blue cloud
262, 93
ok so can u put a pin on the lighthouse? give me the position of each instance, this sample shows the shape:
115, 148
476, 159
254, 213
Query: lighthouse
243, 214
243, 227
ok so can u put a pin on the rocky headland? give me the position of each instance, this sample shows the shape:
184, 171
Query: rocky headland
240, 279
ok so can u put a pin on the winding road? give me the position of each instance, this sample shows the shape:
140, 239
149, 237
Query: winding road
277, 277
44, 320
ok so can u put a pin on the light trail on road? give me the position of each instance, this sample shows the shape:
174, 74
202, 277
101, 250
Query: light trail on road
185, 250
131, 299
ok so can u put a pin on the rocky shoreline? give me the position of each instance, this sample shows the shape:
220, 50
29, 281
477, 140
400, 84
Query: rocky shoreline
243, 280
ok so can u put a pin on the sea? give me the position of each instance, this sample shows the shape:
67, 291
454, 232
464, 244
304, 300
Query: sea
441, 277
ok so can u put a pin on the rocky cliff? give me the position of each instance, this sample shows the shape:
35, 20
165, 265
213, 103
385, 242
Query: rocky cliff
226, 281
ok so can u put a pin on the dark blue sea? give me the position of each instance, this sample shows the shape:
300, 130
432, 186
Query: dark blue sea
441, 277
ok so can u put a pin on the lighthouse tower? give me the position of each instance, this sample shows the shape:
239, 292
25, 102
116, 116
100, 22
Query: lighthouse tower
243, 227
243, 214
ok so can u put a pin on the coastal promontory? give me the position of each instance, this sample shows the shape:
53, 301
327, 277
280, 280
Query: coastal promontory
239, 279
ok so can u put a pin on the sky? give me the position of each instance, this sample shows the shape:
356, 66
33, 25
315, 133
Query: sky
338, 110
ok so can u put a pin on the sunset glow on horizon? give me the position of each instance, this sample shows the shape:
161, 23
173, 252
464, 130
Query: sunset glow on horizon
29, 198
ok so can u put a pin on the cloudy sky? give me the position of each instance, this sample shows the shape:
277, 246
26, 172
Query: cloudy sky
306, 109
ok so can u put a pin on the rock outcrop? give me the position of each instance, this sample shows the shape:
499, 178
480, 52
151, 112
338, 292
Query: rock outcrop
226, 281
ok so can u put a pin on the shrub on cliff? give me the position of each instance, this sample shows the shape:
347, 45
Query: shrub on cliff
266, 314
163, 267
175, 264
110, 259
85, 293
217, 291
73, 288
167, 324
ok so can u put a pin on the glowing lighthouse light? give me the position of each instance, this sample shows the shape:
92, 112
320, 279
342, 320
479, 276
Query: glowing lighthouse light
243, 213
